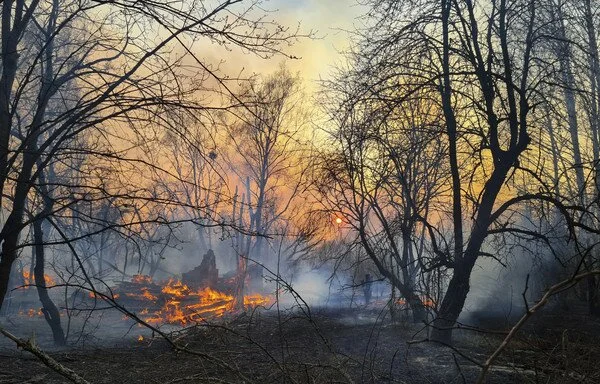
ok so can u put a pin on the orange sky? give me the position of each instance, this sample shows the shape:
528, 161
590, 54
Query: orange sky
327, 19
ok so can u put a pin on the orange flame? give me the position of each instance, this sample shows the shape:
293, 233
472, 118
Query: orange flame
144, 295
141, 279
32, 312
28, 279
184, 306
176, 289
427, 301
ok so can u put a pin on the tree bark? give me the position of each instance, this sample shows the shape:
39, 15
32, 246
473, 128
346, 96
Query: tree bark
49, 309
459, 286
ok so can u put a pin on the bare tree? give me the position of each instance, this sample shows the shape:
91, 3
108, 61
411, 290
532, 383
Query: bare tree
486, 65
382, 175
267, 158
118, 56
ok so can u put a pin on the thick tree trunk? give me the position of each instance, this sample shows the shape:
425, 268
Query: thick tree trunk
8, 254
5, 272
419, 311
51, 313
459, 286
452, 305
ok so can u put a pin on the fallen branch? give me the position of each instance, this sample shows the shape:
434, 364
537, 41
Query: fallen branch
30, 347
553, 290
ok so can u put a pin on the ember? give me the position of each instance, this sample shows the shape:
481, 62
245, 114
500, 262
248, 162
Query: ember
141, 279
31, 313
176, 303
145, 294
28, 279
427, 301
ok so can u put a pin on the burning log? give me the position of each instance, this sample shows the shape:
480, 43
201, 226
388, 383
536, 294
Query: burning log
176, 303
138, 292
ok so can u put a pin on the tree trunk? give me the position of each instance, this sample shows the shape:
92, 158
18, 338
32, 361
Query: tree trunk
9, 253
452, 305
458, 288
51, 313
393, 311
419, 311
238, 294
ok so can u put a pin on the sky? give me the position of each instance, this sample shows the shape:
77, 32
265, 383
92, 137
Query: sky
328, 19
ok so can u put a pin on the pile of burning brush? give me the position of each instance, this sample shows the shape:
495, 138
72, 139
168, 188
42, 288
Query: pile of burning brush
173, 302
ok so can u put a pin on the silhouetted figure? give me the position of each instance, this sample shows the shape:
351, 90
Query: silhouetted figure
367, 282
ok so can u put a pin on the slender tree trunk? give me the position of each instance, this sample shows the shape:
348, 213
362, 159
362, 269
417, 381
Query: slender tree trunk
49, 309
568, 80
419, 312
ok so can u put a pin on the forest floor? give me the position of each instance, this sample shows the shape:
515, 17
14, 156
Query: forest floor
325, 346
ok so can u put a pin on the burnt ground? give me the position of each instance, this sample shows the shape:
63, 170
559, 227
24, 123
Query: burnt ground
329, 346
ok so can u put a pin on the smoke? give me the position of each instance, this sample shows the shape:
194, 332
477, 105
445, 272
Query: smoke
503, 291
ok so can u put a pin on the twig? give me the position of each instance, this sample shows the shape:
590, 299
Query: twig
555, 289
30, 347
464, 380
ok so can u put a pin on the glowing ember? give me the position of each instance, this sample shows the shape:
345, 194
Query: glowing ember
184, 306
176, 303
176, 289
144, 295
141, 279
140, 338
32, 313
28, 279
257, 300
427, 301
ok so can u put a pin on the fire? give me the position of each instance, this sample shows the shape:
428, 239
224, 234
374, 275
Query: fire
199, 304
140, 338
28, 279
182, 305
145, 295
176, 303
32, 312
141, 279
427, 301
256, 300
176, 289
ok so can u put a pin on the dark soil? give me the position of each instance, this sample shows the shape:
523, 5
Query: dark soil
329, 346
